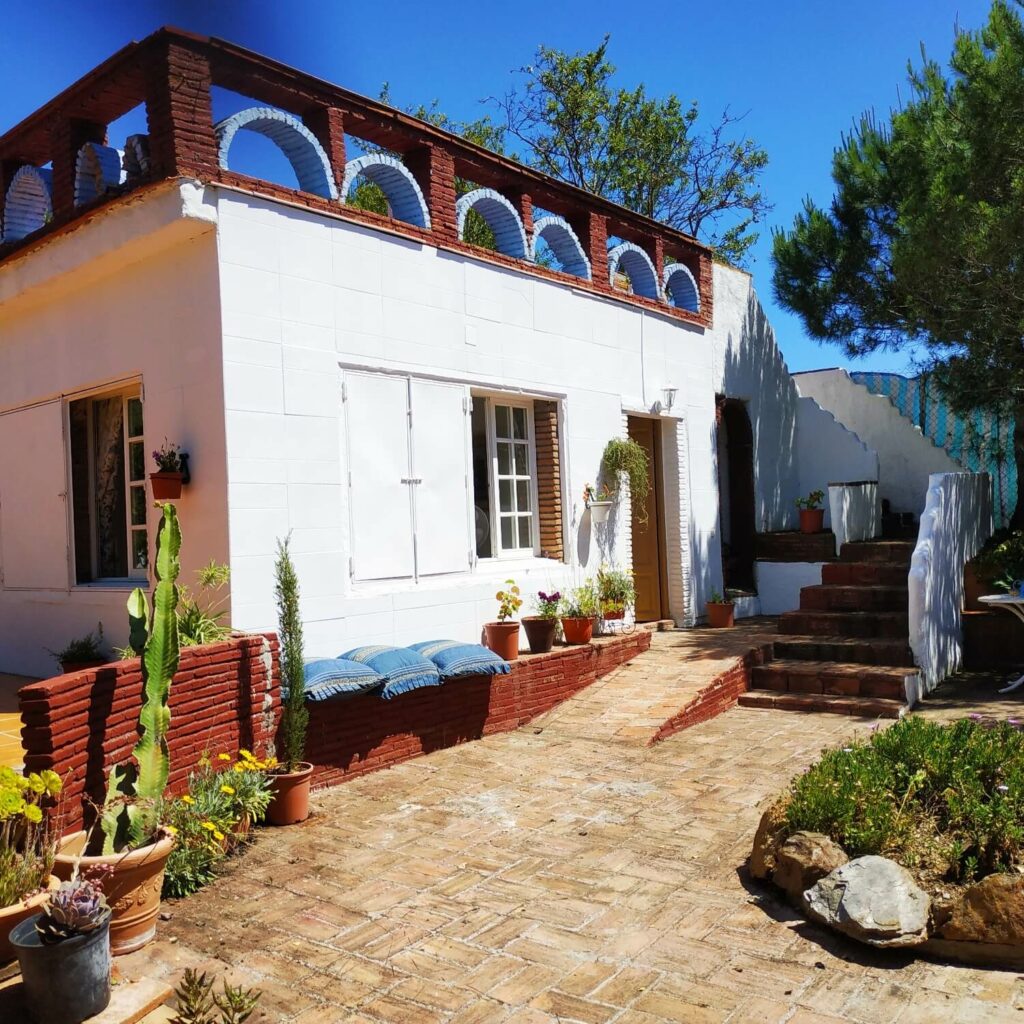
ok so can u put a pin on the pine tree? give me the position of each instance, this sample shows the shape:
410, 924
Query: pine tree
289, 626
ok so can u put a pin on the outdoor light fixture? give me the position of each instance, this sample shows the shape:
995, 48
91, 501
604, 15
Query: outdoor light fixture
669, 394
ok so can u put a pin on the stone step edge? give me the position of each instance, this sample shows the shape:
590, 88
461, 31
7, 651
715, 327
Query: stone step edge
821, 666
860, 707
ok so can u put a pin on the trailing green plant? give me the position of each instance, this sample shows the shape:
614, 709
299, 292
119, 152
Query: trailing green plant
582, 603
199, 617
616, 589
131, 812
813, 500
28, 842
198, 1003
78, 907
624, 455
85, 648
1001, 563
509, 601
295, 717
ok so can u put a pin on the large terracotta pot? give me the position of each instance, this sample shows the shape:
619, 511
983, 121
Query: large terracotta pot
578, 631
503, 639
291, 796
812, 520
721, 616
540, 633
10, 916
133, 891
166, 486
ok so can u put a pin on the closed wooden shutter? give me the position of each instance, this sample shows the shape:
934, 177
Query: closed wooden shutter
549, 479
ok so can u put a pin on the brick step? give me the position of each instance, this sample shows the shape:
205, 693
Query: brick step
866, 707
841, 679
831, 597
879, 651
793, 546
862, 624
890, 552
866, 574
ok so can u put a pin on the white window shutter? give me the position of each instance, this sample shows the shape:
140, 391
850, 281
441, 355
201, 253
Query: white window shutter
377, 435
442, 471
33, 492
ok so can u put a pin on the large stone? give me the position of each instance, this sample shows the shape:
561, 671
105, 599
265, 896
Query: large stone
871, 899
767, 839
990, 911
803, 859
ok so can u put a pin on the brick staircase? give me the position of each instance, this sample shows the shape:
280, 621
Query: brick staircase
845, 649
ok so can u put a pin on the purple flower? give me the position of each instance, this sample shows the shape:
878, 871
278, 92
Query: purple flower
975, 717
1003, 789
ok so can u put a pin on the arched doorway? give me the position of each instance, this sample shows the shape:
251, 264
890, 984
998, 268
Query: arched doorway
736, 492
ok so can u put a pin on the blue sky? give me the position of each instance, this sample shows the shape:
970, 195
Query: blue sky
801, 70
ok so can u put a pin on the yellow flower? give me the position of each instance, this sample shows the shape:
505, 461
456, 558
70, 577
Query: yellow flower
223, 757
33, 814
245, 754
170, 830
238, 767
186, 799
218, 835
209, 826
227, 789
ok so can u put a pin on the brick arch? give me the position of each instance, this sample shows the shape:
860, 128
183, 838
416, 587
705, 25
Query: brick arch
97, 169
29, 203
563, 243
637, 266
136, 156
680, 288
291, 136
501, 218
405, 199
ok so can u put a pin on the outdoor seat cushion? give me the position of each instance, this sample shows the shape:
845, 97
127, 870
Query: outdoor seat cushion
338, 677
401, 668
455, 658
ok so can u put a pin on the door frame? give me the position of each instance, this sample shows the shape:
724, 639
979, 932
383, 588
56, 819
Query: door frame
656, 515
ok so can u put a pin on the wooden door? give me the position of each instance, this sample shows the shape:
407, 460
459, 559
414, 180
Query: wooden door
649, 568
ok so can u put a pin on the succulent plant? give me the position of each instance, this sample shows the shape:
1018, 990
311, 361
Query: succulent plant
76, 908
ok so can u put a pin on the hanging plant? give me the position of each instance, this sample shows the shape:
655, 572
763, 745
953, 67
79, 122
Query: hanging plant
624, 455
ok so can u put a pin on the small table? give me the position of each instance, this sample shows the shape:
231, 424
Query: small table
1014, 604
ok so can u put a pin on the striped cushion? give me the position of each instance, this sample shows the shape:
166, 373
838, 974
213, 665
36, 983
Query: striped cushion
336, 677
455, 658
401, 668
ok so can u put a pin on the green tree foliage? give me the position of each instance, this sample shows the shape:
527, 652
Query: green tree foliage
922, 242
295, 718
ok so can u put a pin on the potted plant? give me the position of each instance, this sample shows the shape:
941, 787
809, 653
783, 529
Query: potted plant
64, 954
290, 803
812, 515
167, 480
626, 456
542, 628
721, 611
27, 848
502, 636
132, 840
616, 592
599, 504
578, 613
82, 653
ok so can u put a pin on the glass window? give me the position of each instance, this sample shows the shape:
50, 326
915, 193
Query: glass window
513, 472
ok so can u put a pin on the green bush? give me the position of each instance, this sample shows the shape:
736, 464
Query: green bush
945, 799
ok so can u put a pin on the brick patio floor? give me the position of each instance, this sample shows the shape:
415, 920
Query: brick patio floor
564, 872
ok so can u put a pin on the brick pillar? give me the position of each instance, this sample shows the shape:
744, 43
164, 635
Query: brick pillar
592, 231
328, 125
68, 135
705, 281
179, 114
434, 170
8, 168
524, 207
656, 250
549, 479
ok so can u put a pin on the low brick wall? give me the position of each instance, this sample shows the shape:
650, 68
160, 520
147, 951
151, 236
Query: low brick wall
351, 737
224, 696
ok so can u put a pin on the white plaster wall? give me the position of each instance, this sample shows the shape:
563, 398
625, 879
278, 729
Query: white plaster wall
779, 584
906, 458
855, 511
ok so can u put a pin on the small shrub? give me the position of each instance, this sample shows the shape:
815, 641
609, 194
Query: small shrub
295, 717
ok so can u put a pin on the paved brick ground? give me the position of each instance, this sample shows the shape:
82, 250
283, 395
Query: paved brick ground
561, 872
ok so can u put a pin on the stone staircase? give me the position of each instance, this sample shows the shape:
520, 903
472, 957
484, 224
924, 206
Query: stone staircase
845, 649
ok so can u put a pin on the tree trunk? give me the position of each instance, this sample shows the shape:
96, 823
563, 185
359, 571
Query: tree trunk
1017, 520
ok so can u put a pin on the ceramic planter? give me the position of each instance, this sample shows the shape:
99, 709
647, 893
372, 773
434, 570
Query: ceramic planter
721, 615
578, 631
291, 796
503, 639
166, 486
812, 520
133, 891
614, 615
21, 911
600, 511
65, 982
540, 633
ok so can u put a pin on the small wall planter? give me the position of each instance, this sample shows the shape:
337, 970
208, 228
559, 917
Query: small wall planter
540, 633
600, 511
721, 615
812, 520
578, 631
290, 804
503, 639
166, 486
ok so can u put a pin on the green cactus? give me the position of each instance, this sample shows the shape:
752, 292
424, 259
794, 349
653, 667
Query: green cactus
131, 811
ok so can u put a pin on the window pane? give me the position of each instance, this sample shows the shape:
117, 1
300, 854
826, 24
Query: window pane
137, 460
522, 460
481, 480
505, 496
525, 532
109, 512
140, 549
508, 532
501, 421
519, 423
138, 506
523, 495
504, 458
134, 417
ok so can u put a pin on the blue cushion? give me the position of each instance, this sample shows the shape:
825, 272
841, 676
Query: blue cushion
334, 677
454, 658
401, 668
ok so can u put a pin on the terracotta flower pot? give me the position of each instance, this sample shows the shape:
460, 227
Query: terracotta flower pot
503, 639
578, 631
540, 633
291, 796
812, 520
21, 911
166, 486
67, 667
614, 616
721, 616
133, 891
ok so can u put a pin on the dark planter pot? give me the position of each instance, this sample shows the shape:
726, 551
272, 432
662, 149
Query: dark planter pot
812, 520
67, 982
503, 639
540, 633
721, 616
67, 667
166, 486
291, 797
578, 631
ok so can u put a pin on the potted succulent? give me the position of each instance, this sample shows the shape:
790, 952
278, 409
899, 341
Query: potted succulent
626, 456
131, 839
579, 611
721, 611
616, 592
291, 779
84, 652
812, 515
169, 476
542, 628
64, 954
502, 636
599, 504
27, 848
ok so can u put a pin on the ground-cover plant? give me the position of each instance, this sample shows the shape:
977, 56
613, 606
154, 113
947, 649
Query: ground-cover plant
946, 800
28, 842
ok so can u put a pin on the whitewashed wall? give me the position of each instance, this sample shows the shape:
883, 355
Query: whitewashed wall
856, 512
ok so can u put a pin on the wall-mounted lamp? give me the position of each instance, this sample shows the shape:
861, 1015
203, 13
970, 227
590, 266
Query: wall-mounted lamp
668, 394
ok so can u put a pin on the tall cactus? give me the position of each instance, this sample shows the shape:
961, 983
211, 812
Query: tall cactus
134, 791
